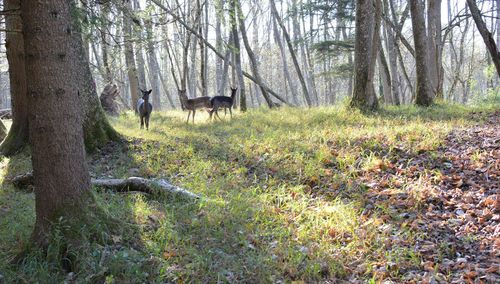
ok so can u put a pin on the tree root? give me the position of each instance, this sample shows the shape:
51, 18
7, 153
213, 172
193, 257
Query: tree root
149, 186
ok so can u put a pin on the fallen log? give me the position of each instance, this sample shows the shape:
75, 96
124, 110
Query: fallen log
149, 186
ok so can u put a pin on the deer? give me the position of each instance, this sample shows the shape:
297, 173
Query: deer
193, 104
219, 102
144, 108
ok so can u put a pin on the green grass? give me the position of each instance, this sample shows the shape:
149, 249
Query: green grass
282, 199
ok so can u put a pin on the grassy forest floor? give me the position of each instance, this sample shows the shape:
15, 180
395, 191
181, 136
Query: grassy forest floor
406, 194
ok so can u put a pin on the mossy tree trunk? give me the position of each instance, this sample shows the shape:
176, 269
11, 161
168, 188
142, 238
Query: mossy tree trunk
96, 127
18, 134
53, 70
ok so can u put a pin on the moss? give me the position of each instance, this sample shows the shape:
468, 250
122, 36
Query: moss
99, 133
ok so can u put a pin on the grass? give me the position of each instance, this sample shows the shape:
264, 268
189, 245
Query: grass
282, 198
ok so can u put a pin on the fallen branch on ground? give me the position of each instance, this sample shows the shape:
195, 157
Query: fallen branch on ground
149, 186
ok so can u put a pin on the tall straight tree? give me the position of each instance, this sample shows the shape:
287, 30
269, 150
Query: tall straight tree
435, 46
61, 177
424, 93
130, 59
366, 45
18, 134
237, 54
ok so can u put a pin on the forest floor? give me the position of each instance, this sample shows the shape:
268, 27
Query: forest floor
324, 194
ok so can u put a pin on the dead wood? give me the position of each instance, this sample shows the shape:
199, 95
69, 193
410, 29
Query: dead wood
149, 186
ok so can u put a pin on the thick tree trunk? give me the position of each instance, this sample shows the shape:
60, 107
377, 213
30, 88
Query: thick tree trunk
18, 134
485, 33
424, 94
366, 49
96, 127
236, 53
61, 178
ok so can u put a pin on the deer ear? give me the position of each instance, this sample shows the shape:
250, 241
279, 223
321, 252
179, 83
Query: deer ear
149, 92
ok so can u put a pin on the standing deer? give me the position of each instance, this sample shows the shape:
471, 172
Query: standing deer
193, 104
144, 107
219, 102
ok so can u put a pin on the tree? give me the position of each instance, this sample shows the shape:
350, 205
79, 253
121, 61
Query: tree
435, 46
276, 16
366, 50
18, 134
61, 178
130, 59
96, 127
424, 93
251, 56
485, 33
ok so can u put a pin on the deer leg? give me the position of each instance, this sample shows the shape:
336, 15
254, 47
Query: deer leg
217, 114
189, 113
231, 112
194, 111
225, 111
142, 122
147, 122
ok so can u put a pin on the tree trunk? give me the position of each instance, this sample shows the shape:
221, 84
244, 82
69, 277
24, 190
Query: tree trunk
274, 11
393, 57
61, 178
18, 134
130, 60
219, 45
485, 33
424, 87
435, 46
96, 127
108, 79
385, 77
235, 51
365, 54
154, 68
286, 72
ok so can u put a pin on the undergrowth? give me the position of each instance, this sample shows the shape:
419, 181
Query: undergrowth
282, 200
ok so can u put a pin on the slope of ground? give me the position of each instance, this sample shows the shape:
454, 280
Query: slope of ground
406, 194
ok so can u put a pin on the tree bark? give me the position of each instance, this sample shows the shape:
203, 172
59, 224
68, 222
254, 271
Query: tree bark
61, 178
154, 67
96, 128
393, 57
485, 34
274, 11
18, 134
130, 59
435, 46
365, 54
424, 93
251, 55
284, 62
236, 51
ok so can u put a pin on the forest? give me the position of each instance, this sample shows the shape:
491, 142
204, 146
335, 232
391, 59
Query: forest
250, 141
